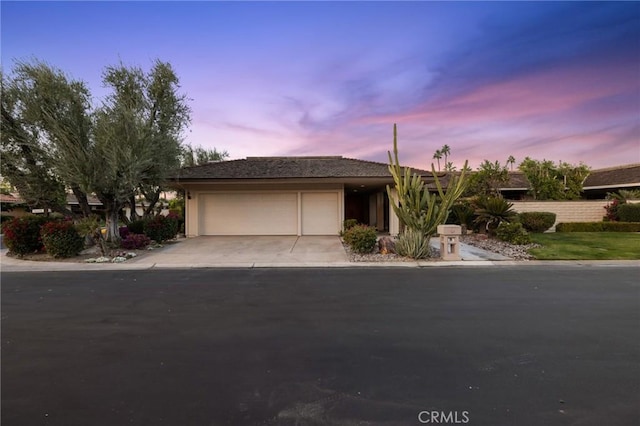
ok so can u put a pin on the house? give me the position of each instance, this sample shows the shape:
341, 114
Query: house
286, 196
598, 184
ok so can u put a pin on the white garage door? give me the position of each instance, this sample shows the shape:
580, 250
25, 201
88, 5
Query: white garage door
249, 214
320, 215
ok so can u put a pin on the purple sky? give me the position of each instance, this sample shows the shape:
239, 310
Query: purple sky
550, 80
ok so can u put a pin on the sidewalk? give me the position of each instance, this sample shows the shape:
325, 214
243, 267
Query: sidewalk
471, 256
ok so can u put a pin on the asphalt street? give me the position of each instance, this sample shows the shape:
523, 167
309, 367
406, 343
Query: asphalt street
480, 346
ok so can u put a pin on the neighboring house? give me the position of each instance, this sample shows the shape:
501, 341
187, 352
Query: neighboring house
13, 205
286, 196
598, 184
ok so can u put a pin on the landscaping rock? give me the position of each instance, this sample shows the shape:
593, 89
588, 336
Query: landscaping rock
386, 245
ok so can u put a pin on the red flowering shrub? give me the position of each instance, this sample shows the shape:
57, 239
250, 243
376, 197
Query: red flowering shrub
22, 234
162, 228
135, 241
61, 239
612, 210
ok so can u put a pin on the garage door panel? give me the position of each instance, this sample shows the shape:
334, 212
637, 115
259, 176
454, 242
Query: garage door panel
320, 214
249, 214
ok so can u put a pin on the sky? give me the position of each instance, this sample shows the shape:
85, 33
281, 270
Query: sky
548, 80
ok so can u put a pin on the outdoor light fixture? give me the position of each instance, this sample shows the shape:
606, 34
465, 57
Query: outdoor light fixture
188, 195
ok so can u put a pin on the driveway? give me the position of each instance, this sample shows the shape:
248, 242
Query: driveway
250, 251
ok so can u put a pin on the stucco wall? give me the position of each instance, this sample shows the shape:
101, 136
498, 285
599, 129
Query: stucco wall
566, 211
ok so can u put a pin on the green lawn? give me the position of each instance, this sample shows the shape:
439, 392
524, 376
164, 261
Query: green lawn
587, 246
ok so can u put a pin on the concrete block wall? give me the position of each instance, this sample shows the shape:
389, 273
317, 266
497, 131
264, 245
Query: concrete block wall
566, 211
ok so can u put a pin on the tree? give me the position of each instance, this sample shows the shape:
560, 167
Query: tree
511, 161
437, 156
446, 151
43, 110
196, 156
488, 179
549, 181
137, 137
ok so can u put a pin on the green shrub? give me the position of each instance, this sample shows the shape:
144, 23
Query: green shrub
361, 238
492, 211
537, 221
161, 228
348, 224
22, 234
61, 239
513, 233
413, 244
136, 226
598, 227
629, 212
462, 213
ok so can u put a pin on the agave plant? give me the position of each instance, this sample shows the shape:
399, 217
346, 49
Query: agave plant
492, 211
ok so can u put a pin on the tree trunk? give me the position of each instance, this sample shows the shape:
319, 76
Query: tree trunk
113, 235
152, 202
133, 215
83, 202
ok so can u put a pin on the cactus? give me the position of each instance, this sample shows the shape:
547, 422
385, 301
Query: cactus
418, 209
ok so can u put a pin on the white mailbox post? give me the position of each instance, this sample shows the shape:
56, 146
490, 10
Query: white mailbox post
450, 241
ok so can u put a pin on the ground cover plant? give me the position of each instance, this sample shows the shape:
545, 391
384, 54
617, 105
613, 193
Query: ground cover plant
587, 246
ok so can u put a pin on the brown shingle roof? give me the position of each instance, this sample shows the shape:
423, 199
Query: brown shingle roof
614, 176
289, 167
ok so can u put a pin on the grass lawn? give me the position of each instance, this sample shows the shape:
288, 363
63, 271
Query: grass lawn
587, 246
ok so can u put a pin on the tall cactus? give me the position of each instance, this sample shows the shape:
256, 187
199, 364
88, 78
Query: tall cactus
418, 209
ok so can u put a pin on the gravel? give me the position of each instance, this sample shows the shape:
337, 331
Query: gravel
516, 252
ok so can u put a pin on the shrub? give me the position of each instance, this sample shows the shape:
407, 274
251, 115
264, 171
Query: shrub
123, 231
361, 238
611, 210
61, 239
135, 241
348, 224
162, 228
462, 213
513, 233
537, 221
598, 227
22, 234
492, 211
629, 212
413, 244
136, 226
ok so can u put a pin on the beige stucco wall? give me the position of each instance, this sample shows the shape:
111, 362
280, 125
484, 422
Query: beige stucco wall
566, 211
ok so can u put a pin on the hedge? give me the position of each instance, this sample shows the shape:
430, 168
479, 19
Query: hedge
22, 234
537, 221
629, 212
361, 238
61, 239
598, 227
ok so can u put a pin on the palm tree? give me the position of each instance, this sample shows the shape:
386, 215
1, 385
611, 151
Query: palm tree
437, 156
511, 161
446, 151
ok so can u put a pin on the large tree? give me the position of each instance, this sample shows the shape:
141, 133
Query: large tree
549, 181
137, 137
42, 111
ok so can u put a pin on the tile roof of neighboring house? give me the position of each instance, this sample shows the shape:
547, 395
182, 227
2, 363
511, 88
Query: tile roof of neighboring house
10, 199
628, 175
289, 167
91, 199
613, 177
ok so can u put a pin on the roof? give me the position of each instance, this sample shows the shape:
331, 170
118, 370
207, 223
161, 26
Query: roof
289, 168
628, 175
11, 199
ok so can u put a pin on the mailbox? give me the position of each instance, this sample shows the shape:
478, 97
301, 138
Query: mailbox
450, 241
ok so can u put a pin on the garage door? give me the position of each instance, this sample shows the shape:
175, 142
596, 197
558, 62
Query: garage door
249, 214
320, 215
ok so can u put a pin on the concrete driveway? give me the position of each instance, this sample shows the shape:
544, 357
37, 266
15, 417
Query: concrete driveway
249, 251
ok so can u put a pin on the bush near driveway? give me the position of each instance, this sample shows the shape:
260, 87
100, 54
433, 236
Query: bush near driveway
361, 238
22, 234
61, 239
162, 228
